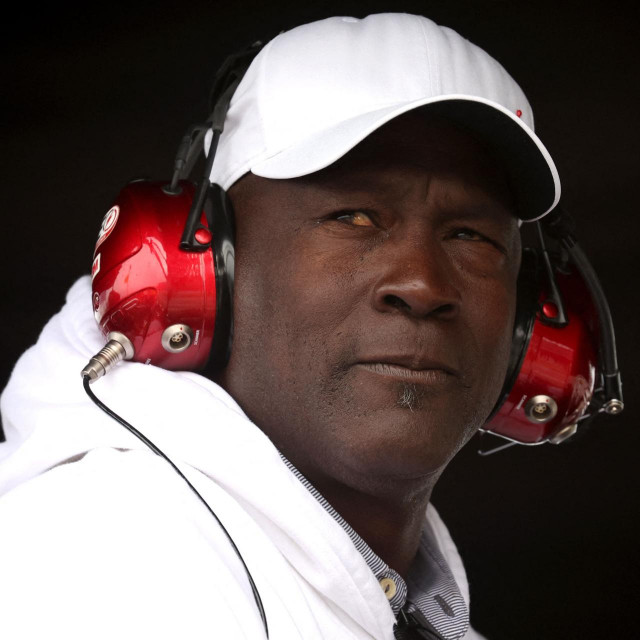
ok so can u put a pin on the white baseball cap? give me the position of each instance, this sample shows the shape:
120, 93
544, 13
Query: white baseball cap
313, 93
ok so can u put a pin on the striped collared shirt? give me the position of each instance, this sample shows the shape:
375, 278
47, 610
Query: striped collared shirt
430, 589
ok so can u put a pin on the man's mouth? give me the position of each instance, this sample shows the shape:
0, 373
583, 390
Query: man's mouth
429, 376
410, 368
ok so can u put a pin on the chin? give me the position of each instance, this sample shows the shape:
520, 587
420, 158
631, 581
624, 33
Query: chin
408, 447
413, 430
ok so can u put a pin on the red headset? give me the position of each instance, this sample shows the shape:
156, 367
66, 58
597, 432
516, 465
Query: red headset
163, 271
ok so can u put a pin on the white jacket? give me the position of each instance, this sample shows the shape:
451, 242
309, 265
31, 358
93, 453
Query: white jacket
99, 538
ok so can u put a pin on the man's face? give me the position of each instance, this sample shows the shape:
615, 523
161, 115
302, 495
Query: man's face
374, 304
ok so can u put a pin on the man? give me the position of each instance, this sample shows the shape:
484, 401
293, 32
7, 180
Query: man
379, 170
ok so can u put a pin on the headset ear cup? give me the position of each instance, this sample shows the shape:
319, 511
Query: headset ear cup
528, 293
219, 212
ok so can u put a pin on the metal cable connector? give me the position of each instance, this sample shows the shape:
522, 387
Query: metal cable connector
118, 348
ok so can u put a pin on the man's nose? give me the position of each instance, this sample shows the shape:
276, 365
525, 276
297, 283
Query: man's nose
419, 279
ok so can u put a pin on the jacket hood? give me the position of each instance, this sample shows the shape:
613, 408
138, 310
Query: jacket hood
48, 420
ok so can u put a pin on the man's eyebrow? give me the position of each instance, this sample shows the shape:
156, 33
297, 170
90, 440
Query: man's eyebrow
335, 180
498, 214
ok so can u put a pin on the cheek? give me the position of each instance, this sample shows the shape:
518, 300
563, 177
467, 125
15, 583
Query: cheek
289, 309
315, 285
492, 315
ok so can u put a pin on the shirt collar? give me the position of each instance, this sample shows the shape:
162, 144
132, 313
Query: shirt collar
430, 588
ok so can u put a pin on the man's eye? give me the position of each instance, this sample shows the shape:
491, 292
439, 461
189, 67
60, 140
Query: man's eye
469, 234
356, 218
475, 236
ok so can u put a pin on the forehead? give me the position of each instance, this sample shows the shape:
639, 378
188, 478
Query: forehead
400, 156
412, 144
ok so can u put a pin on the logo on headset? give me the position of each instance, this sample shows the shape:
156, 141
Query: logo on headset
108, 224
95, 267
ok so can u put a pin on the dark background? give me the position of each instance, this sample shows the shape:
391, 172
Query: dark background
95, 96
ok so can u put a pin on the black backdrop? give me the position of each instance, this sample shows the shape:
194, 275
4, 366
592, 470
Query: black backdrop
94, 97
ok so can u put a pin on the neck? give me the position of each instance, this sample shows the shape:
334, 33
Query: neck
389, 519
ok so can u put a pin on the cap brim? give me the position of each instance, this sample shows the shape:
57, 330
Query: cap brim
532, 173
